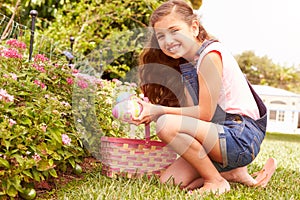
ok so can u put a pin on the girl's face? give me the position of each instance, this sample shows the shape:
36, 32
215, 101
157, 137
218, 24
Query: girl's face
176, 38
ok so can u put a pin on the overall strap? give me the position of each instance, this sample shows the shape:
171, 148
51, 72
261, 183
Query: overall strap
260, 104
205, 44
189, 73
262, 121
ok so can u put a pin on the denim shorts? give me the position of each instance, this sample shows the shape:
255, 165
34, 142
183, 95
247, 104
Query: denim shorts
240, 139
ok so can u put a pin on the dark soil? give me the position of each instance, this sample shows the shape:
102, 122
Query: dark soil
45, 189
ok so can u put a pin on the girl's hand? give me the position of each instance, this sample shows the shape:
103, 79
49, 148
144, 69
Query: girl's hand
147, 115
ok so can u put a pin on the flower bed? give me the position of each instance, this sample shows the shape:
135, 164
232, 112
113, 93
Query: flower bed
51, 117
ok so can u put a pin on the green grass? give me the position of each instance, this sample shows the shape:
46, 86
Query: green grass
285, 183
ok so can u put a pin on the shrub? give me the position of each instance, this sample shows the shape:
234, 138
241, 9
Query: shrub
37, 132
51, 117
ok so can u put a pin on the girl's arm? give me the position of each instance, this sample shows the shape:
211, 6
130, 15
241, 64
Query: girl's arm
210, 80
210, 84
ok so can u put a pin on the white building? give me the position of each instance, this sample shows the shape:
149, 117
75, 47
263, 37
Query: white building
283, 109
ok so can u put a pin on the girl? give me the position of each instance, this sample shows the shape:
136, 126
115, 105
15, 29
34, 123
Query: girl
213, 119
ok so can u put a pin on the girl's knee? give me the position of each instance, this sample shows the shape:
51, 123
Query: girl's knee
164, 126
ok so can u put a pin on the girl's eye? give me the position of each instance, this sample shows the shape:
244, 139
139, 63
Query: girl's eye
174, 30
160, 36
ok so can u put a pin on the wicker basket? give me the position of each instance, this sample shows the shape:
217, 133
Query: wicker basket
134, 157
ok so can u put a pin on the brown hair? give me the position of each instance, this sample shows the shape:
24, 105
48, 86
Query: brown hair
160, 76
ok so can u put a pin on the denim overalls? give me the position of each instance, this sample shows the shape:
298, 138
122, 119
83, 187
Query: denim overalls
240, 136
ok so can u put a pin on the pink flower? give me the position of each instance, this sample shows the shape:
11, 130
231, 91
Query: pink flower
70, 81
40, 57
82, 84
65, 139
12, 122
36, 157
12, 53
64, 103
99, 82
16, 44
117, 81
42, 85
5, 96
39, 83
39, 67
14, 76
44, 128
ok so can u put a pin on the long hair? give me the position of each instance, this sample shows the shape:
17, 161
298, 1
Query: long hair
160, 76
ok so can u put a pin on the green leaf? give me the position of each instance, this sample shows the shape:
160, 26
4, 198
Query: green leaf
51, 162
53, 172
4, 163
36, 175
23, 93
43, 165
55, 156
12, 191
16, 182
56, 133
26, 121
7, 144
27, 173
72, 162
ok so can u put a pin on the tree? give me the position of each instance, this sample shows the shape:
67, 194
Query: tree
115, 28
262, 70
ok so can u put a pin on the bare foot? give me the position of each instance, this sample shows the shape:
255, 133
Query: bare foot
217, 187
197, 183
239, 175
264, 175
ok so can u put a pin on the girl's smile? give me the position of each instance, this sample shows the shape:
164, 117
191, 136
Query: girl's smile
173, 48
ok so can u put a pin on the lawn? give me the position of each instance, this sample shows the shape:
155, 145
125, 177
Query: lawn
285, 183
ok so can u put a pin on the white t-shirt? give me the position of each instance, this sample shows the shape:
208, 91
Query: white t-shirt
235, 96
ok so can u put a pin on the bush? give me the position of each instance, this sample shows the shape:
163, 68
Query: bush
51, 117
36, 129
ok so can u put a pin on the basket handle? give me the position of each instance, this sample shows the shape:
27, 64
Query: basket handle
147, 132
147, 126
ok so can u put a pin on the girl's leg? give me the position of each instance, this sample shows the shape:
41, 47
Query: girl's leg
181, 173
194, 140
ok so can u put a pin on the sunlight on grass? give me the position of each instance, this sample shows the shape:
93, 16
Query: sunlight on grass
284, 147
285, 184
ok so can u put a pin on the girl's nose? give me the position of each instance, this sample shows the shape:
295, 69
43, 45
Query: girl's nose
168, 39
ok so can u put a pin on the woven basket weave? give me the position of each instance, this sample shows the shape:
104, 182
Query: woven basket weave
134, 157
